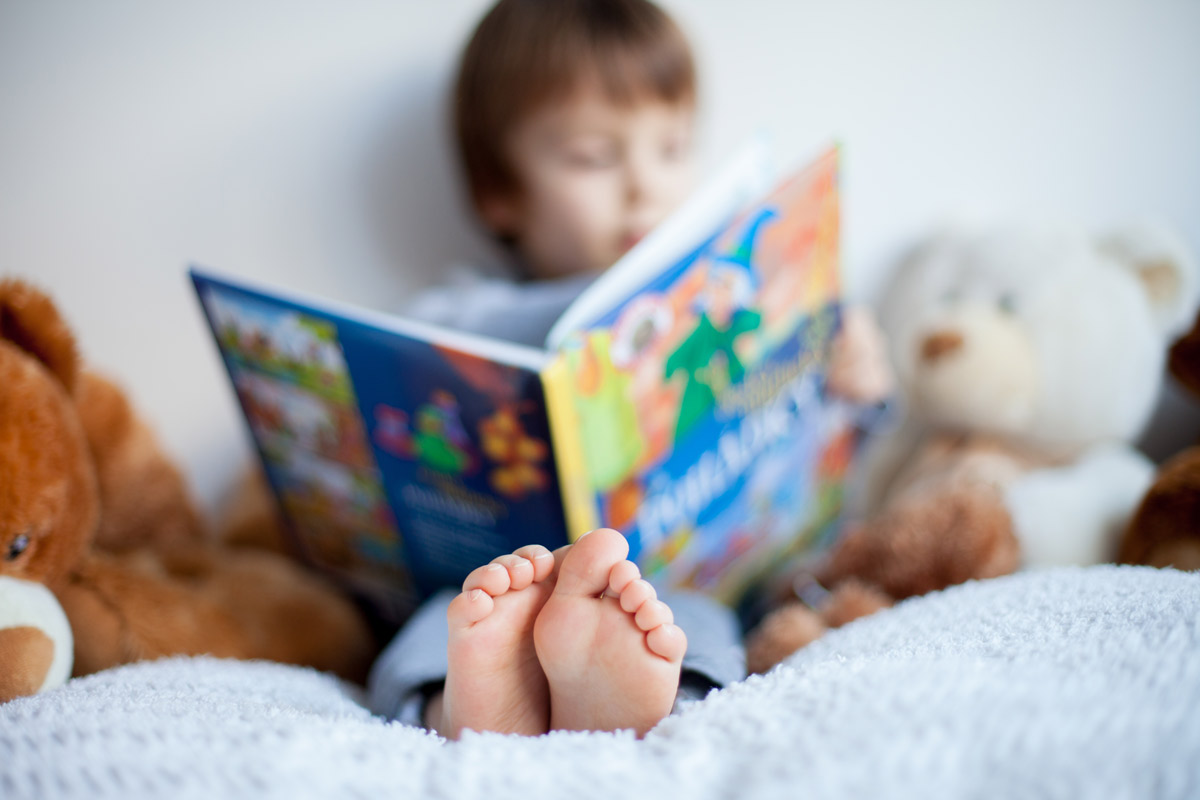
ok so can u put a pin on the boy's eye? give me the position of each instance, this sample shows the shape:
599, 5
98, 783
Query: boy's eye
583, 159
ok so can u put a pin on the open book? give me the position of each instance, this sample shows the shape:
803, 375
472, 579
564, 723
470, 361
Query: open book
680, 400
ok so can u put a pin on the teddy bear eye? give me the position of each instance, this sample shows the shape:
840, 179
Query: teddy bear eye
16, 547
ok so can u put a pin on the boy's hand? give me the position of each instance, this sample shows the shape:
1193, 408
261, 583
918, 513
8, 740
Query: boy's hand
859, 369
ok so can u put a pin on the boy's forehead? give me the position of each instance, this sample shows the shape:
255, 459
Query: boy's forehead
591, 111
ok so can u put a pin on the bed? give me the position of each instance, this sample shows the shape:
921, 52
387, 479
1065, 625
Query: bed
1061, 683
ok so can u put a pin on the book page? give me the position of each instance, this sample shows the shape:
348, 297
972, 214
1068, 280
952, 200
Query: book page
698, 410
401, 456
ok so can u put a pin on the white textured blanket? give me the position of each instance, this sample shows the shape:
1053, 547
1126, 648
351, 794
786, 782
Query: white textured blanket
1067, 683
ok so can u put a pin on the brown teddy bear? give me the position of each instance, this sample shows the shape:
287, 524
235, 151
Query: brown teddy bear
1029, 361
91, 509
1165, 530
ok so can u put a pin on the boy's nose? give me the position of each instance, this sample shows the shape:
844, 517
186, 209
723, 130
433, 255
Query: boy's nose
639, 181
635, 183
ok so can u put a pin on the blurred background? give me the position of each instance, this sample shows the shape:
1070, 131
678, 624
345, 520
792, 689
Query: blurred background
305, 143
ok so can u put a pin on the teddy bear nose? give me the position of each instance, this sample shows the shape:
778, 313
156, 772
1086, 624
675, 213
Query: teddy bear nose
942, 343
31, 652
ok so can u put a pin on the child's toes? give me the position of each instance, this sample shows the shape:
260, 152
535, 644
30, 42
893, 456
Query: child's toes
635, 595
539, 558
667, 641
469, 607
652, 614
588, 563
520, 571
492, 578
621, 576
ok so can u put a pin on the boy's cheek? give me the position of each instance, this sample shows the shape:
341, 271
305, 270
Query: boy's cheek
583, 186
591, 205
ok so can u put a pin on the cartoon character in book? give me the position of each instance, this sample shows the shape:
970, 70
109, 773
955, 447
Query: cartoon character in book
447, 408
611, 437
264, 413
518, 456
743, 250
332, 482
257, 346
659, 399
708, 357
349, 444
441, 442
392, 433
323, 435
642, 338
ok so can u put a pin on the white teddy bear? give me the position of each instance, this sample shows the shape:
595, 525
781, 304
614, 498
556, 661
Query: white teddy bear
1028, 361
1042, 353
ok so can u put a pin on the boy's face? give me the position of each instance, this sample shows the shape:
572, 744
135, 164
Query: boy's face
595, 178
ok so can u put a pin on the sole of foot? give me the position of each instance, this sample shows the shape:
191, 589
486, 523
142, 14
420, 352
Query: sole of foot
609, 648
494, 681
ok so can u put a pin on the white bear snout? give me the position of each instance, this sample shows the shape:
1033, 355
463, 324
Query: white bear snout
976, 368
939, 344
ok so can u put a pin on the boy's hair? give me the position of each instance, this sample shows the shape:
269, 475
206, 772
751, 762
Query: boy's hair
525, 53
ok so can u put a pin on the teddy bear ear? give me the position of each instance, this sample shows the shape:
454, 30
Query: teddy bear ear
1165, 267
29, 320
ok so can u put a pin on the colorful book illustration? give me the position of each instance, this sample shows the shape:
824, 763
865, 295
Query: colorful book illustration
681, 400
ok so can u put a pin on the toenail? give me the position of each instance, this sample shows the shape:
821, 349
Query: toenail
494, 567
475, 595
543, 556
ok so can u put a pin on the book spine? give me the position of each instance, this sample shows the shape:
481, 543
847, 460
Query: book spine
579, 505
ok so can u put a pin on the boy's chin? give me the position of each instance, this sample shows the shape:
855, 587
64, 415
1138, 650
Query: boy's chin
629, 241
559, 272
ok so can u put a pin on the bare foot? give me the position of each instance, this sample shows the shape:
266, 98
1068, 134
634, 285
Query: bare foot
610, 649
494, 681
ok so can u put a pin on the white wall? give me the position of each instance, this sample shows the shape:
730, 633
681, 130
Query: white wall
302, 142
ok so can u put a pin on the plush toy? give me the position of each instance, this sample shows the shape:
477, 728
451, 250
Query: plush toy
35, 640
1028, 361
1165, 530
91, 510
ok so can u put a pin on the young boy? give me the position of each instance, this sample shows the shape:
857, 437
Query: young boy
574, 121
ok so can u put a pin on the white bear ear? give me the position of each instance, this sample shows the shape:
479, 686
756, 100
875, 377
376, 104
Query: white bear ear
1165, 267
